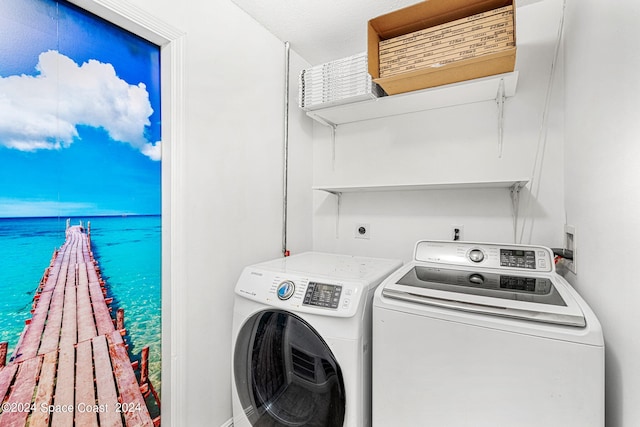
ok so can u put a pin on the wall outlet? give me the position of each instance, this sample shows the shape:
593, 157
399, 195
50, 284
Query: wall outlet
457, 232
570, 244
362, 231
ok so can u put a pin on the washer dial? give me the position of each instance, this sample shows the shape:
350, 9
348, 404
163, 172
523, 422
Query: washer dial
476, 255
286, 290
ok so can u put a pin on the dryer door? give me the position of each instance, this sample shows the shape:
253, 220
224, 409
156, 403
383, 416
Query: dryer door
285, 373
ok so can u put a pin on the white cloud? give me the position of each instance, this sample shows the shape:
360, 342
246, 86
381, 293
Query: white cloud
41, 112
153, 151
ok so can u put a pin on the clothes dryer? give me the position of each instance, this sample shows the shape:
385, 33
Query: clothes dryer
484, 335
301, 349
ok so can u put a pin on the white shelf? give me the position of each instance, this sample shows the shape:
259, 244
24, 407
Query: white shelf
467, 92
514, 184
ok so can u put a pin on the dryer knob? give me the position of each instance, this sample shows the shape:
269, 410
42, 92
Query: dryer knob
476, 255
286, 290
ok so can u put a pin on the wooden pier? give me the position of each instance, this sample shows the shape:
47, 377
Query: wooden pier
71, 366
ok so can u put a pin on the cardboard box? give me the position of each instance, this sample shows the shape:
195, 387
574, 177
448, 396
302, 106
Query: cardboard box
438, 58
426, 14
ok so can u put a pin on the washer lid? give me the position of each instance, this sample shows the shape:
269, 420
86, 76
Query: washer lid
523, 296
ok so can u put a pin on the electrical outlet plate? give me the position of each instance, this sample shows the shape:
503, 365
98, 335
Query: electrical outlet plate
570, 243
362, 231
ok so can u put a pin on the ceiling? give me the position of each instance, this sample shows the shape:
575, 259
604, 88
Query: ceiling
323, 30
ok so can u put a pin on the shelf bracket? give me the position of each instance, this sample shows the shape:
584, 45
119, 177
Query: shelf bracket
515, 195
333, 127
514, 191
320, 120
333, 146
338, 195
500, 98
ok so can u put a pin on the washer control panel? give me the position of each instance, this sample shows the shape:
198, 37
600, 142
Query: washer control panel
323, 295
295, 292
314, 295
518, 258
488, 255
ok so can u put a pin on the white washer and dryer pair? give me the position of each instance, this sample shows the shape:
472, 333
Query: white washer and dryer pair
484, 335
301, 349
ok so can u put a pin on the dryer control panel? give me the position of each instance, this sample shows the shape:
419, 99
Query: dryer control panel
302, 293
323, 295
486, 255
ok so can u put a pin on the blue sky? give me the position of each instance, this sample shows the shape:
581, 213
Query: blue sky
79, 114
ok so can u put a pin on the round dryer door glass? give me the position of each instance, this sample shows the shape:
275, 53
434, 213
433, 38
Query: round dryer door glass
285, 373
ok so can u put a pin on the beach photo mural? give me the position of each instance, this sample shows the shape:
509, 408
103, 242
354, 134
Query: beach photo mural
80, 220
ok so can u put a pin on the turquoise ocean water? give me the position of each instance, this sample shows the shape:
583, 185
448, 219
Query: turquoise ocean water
128, 250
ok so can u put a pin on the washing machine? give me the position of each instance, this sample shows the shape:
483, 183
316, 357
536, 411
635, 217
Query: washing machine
484, 335
301, 341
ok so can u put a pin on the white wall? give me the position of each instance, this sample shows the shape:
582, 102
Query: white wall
603, 183
230, 180
453, 144
229, 186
